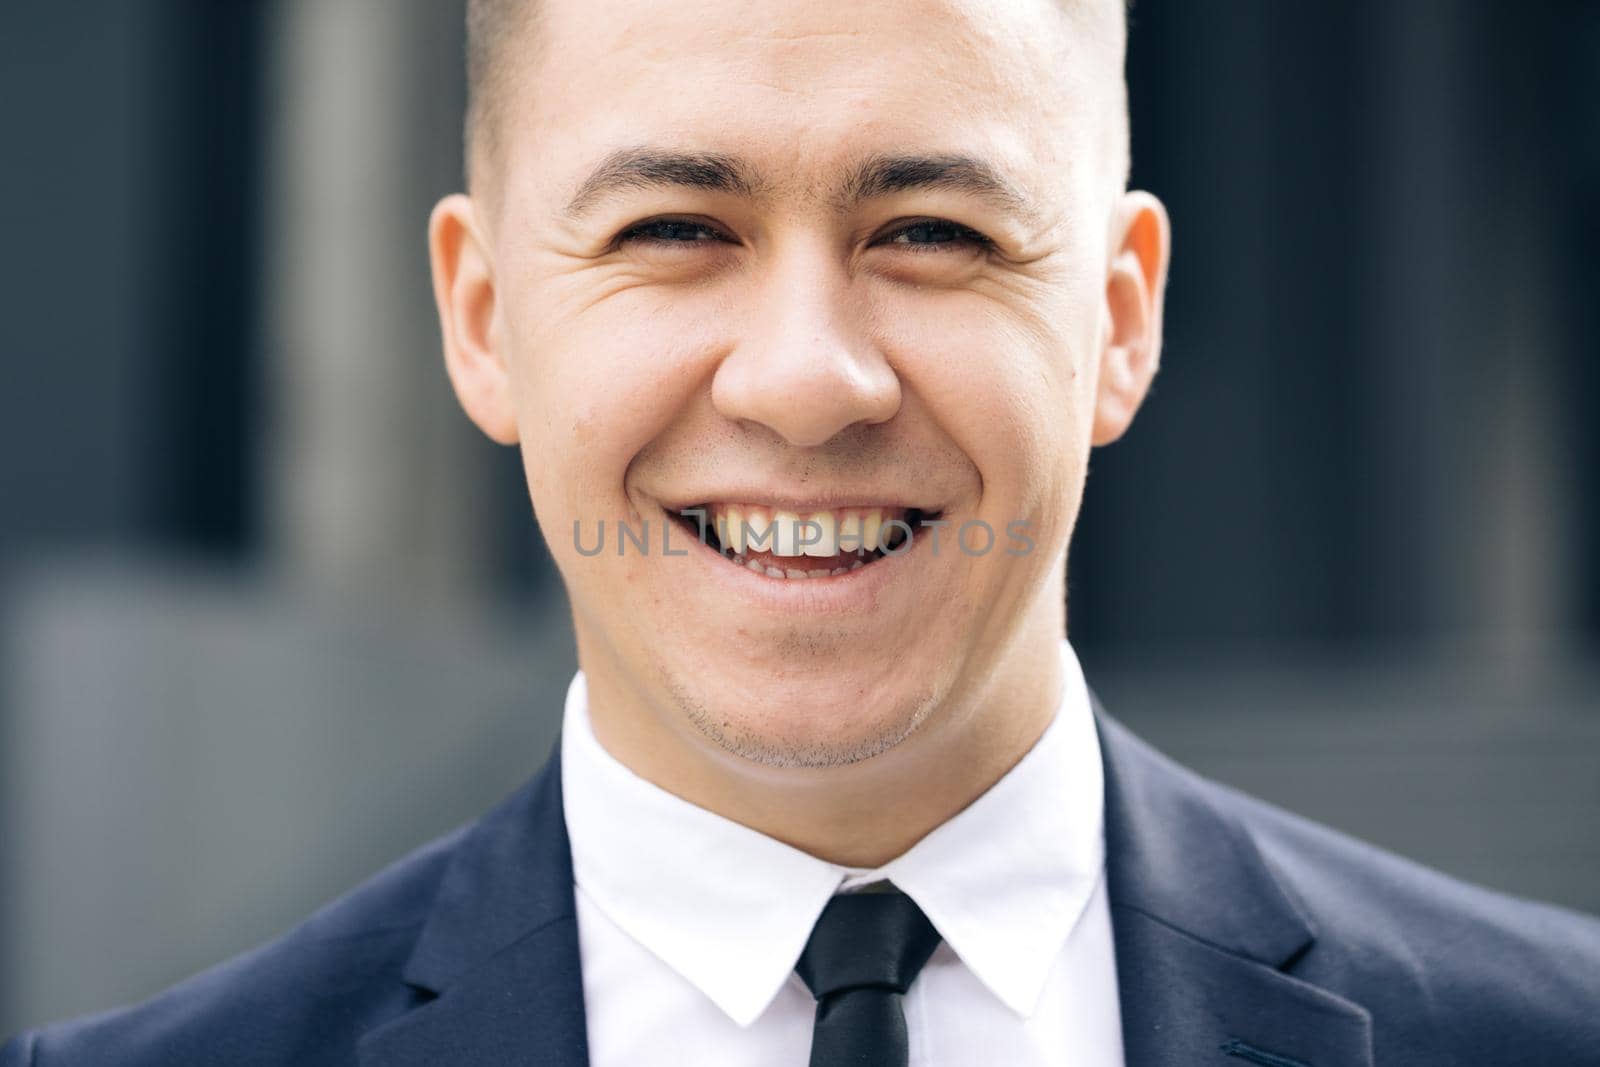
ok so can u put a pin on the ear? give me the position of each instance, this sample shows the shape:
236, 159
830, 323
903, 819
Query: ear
1135, 288
463, 289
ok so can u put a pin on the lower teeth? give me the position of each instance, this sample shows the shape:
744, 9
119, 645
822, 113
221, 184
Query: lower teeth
774, 572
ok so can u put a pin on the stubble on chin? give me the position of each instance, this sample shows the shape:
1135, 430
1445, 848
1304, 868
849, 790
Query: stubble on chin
784, 746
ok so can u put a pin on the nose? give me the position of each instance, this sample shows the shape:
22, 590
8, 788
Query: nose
807, 369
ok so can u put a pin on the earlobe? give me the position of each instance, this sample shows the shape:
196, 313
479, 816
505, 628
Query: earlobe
1135, 290
464, 290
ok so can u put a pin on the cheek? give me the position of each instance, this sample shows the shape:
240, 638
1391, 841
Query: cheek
1007, 383
595, 385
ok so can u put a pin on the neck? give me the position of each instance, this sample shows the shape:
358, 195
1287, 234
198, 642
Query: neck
867, 813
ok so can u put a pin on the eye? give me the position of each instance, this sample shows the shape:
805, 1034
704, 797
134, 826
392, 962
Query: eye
670, 232
936, 235
923, 235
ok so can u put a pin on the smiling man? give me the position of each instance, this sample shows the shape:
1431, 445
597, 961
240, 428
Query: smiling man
851, 263
805, 316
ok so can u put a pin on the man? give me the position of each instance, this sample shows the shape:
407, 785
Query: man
805, 316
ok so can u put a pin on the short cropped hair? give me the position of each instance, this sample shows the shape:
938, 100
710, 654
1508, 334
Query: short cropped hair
491, 24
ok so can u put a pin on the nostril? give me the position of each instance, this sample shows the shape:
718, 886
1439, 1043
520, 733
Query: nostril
806, 394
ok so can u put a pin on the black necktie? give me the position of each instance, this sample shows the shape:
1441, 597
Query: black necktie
864, 953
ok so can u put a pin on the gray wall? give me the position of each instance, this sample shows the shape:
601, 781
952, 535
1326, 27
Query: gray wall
195, 759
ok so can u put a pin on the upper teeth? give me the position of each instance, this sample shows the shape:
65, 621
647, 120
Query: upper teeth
750, 528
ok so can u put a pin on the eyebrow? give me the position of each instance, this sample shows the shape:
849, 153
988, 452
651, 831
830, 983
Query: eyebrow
876, 176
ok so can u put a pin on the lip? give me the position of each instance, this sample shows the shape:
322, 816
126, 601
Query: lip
854, 592
750, 496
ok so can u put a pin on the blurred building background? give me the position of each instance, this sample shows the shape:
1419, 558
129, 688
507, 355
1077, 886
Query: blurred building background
271, 611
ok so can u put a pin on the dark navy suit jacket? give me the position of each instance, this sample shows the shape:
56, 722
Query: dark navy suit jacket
1244, 935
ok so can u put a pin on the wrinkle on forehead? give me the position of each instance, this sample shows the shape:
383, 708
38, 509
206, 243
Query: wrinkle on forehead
790, 80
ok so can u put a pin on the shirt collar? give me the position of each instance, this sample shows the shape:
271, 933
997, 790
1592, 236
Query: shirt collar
1004, 881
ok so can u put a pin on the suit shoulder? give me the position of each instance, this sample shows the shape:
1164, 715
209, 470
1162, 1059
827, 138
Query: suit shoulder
303, 998
1431, 955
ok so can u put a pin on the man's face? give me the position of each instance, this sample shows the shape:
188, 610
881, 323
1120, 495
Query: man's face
854, 270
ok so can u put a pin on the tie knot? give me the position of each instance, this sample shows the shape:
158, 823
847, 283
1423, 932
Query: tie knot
867, 940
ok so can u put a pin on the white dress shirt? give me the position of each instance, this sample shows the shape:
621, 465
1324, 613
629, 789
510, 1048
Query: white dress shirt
689, 924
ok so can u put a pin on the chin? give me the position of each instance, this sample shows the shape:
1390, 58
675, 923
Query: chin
801, 723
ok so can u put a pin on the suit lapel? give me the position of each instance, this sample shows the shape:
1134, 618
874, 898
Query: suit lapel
1205, 932
499, 952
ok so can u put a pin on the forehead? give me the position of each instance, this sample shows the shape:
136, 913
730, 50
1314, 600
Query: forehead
803, 86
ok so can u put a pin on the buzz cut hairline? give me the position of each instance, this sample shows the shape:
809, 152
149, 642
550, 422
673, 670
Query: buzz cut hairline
491, 23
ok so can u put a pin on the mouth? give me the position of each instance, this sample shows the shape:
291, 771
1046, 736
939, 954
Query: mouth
796, 546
